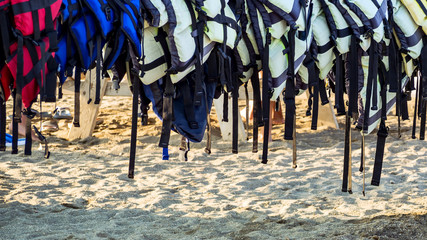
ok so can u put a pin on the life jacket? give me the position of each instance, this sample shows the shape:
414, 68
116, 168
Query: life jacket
418, 10
340, 29
157, 15
29, 58
130, 23
324, 46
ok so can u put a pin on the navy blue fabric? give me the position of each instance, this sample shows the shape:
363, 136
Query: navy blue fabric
180, 123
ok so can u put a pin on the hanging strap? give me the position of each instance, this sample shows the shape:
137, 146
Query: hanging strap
98, 70
235, 133
313, 84
339, 84
167, 114
77, 80
266, 95
135, 87
257, 111
322, 91
382, 132
198, 27
372, 77
353, 77
290, 88
2, 125
14, 126
347, 153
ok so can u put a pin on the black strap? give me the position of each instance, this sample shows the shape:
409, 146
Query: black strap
14, 126
2, 125
247, 110
257, 111
77, 80
235, 133
353, 76
290, 88
347, 153
404, 107
50, 30
198, 27
4, 32
167, 113
379, 155
266, 95
372, 77
339, 84
382, 132
98, 70
134, 130
322, 91
313, 87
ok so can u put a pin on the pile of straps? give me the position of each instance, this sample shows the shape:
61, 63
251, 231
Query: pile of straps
188, 52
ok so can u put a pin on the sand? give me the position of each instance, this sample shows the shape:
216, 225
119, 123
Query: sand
82, 190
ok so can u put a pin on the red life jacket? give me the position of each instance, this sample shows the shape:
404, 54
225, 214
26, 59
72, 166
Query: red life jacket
34, 27
34, 76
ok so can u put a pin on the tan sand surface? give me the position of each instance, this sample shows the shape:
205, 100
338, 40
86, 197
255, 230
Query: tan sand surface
82, 190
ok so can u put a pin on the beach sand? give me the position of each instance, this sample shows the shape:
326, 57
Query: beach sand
82, 191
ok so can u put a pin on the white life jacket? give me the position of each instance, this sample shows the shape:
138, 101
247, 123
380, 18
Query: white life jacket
418, 10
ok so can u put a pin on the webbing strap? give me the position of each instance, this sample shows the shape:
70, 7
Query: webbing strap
322, 91
198, 38
50, 30
404, 107
257, 111
421, 4
36, 24
4, 33
372, 77
353, 77
14, 126
347, 153
98, 70
235, 133
134, 75
77, 79
247, 110
290, 88
382, 132
313, 83
393, 72
28, 138
339, 84
2, 125
266, 95
167, 113
379, 155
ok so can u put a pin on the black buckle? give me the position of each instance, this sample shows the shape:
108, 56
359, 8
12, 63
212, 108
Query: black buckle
107, 11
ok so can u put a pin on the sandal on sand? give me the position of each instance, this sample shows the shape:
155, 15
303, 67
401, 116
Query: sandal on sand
62, 113
49, 126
